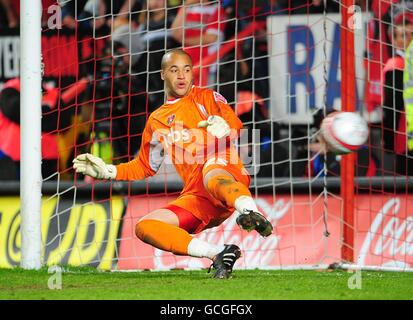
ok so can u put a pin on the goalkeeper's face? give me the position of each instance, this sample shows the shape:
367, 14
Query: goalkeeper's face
178, 75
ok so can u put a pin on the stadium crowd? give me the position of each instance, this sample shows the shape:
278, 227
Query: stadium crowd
129, 40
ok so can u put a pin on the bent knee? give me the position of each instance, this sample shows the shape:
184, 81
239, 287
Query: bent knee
214, 184
141, 228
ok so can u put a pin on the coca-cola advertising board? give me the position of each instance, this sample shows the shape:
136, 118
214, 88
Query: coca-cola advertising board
307, 232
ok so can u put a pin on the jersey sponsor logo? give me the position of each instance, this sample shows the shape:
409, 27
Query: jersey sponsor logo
219, 97
171, 119
175, 136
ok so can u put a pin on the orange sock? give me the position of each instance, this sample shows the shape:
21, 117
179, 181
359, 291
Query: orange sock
226, 189
163, 236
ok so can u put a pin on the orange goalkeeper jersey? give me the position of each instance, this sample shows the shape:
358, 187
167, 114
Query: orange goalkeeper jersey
172, 131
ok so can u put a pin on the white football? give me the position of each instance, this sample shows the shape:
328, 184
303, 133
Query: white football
344, 132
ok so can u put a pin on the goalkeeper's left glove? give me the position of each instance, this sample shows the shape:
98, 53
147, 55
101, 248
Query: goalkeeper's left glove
216, 125
93, 166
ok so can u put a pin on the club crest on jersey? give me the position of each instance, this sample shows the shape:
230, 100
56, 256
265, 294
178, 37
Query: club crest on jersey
171, 119
219, 97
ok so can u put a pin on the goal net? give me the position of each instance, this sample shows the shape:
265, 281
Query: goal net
282, 66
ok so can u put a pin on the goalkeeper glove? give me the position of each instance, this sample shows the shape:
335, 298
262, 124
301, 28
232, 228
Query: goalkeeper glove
93, 166
216, 126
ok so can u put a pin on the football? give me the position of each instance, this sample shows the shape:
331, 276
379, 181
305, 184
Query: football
344, 132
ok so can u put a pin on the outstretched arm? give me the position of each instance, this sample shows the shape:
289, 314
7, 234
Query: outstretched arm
146, 164
93, 166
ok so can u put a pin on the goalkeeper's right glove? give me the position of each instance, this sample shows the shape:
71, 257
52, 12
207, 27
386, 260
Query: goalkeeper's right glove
93, 166
216, 125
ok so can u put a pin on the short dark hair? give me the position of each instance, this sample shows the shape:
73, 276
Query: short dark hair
174, 51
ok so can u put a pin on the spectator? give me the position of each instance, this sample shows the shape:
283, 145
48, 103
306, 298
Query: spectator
154, 38
408, 102
408, 92
9, 17
248, 63
199, 26
378, 51
138, 48
52, 121
243, 78
128, 12
401, 33
10, 12
119, 105
73, 12
97, 14
59, 126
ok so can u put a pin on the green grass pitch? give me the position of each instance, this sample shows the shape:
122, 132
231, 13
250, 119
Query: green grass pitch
88, 283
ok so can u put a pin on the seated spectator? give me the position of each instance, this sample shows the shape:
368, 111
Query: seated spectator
154, 36
248, 62
199, 26
138, 48
97, 14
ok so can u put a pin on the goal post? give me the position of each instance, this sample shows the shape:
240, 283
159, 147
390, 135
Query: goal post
348, 103
30, 119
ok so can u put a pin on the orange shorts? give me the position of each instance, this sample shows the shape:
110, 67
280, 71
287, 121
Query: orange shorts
207, 211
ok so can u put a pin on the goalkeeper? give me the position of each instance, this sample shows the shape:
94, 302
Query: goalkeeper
188, 127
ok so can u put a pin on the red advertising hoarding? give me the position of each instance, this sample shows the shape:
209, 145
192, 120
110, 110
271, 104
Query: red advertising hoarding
383, 234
